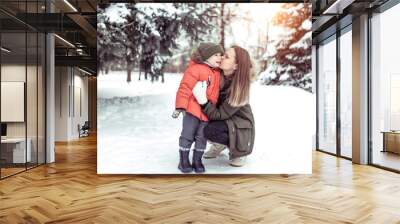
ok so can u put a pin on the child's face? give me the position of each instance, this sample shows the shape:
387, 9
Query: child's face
215, 60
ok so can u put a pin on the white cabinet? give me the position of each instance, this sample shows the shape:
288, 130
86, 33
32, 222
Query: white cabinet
18, 149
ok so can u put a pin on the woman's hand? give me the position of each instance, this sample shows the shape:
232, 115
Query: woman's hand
200, 92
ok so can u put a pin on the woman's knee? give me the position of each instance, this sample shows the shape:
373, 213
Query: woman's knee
210, 131
215, 132
207, 131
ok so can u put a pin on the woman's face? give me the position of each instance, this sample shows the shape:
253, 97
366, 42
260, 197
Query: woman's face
228, 64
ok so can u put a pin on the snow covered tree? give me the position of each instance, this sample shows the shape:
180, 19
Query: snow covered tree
103, 42
227, 13
290, 64
109, 47
132, 43
152, 31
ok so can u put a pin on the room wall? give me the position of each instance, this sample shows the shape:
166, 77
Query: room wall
62, 80
81, 84
71, 102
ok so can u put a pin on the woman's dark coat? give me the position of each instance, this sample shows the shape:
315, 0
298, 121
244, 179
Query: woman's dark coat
240, 122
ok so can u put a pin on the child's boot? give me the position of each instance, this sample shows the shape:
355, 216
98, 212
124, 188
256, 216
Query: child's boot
184, 162
196, 162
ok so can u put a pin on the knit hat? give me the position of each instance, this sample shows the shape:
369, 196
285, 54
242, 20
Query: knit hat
206, 50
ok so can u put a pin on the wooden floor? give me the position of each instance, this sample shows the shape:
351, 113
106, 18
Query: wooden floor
387, 159
10, 171
70, 191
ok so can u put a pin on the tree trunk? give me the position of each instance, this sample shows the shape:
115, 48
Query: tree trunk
128, 68
264, 65
129, 78
107, 69
222, 28
265, 61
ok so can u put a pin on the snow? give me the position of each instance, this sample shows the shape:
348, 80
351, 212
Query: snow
136, 134
306, 24
117, 12
268, 74
155, 7
115, 85
294, 10
271, 51
304, 41
284, 76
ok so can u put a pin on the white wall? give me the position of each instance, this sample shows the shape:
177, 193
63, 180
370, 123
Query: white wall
62, 81
80, 83
70, 83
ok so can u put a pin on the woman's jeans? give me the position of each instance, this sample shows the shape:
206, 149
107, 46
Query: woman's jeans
217, 131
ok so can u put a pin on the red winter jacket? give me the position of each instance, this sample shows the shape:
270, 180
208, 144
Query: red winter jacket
194, 73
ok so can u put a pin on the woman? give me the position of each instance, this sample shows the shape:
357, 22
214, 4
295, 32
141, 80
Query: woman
231, 119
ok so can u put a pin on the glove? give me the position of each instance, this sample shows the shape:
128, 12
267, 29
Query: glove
200, 92
176, 113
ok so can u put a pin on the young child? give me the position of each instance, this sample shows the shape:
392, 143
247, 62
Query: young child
203, 66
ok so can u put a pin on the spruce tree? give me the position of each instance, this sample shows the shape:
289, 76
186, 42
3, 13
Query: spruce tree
109, 47
150, 34
291, 64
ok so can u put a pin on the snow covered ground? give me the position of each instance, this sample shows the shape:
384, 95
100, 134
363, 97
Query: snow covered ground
137, 135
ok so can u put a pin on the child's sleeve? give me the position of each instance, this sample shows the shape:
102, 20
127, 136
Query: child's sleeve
184, 92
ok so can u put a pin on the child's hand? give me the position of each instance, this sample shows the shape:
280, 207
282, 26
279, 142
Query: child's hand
176, 113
